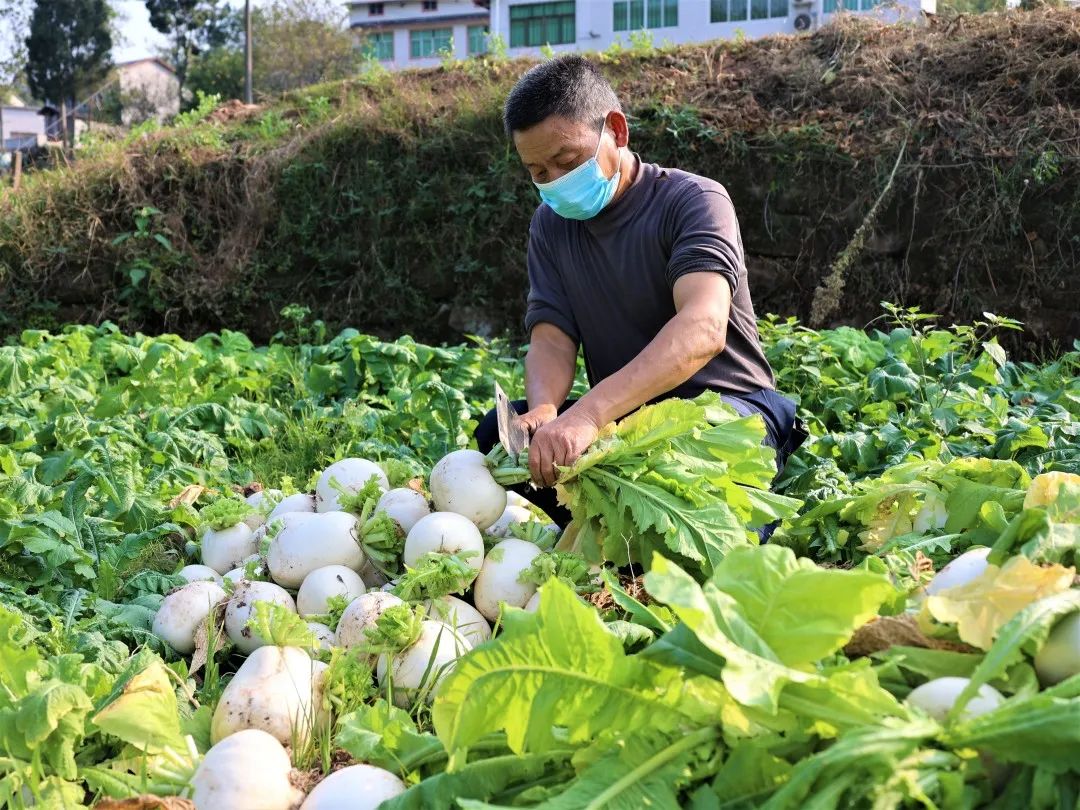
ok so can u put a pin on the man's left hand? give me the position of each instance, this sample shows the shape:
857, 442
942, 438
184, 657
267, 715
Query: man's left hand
559, 443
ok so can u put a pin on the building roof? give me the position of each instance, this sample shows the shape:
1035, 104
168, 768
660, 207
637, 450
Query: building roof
159, 61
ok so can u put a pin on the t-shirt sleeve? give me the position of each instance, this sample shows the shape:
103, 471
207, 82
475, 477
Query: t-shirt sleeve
547, 302
706, 237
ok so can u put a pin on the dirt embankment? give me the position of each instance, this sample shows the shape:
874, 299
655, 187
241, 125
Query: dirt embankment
935, 166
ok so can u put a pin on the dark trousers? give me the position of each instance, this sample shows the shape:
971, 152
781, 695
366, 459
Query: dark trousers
487, 436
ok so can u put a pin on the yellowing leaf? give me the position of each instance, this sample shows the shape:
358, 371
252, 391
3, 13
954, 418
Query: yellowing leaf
1045, 488
892, 518
981, 607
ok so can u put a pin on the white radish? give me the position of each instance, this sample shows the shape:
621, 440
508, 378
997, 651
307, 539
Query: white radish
241, 607
323, 634
444, 533
300, 502
497, 581
511, 514
533, 604
350, 475
313, 598
405, 506
223, 549
198, 573
357, 787
967, 567
300, 548
1059, 657
181, 613
938, 696
361, 614
461, 616
262, 502
417, 671
277, 690
240, 572
461, 482
264, 498
248, 769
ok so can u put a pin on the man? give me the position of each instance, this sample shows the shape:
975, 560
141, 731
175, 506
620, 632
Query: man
640, 265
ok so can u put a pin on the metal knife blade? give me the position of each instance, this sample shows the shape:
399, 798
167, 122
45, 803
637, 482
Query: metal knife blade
512, 431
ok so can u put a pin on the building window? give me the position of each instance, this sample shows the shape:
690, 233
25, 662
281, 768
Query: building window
375, 9
430, 42
833, 6
630, 15
477, 39
727, 10
738, 10
538, 24
379, 45
431, 5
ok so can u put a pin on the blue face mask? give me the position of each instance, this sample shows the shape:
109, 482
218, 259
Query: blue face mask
583, 192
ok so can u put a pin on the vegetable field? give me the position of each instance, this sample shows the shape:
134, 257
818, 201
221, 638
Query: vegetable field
258, 577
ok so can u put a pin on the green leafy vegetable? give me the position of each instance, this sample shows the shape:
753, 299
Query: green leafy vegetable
397, 628
224, 513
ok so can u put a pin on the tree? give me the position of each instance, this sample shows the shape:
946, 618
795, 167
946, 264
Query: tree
218, 71
297, 42
192, 27
68, 49
14, 20
301, 42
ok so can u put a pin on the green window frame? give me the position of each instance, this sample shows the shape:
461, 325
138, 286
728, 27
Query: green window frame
632, 15
536, 24
727, 10
477, 38
379, 45
428, 42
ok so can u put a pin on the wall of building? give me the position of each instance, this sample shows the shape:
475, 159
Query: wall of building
148, 85
595, 23
404, 16
22, 127
596, 32
145, 85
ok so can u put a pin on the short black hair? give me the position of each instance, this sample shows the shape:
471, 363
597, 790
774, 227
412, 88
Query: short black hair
569, 86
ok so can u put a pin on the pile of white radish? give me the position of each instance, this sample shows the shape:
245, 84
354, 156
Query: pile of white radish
306, 554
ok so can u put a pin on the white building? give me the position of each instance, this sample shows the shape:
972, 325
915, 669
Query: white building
594, 25
148, 89
409, 33
417, 33
21, 127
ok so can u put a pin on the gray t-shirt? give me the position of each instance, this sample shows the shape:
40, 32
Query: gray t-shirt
607, 281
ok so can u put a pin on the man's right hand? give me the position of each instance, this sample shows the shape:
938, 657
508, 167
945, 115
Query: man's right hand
538, 417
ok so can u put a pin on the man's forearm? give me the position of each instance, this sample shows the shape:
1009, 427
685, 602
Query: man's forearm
546, 383
549, 370
685, 344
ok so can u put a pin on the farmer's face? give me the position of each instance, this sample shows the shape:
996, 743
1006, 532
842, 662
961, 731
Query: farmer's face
558, 145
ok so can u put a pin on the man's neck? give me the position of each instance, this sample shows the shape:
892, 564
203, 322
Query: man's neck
628, 168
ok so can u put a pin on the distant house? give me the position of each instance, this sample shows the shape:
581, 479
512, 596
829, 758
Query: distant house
21, 127
148, 89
